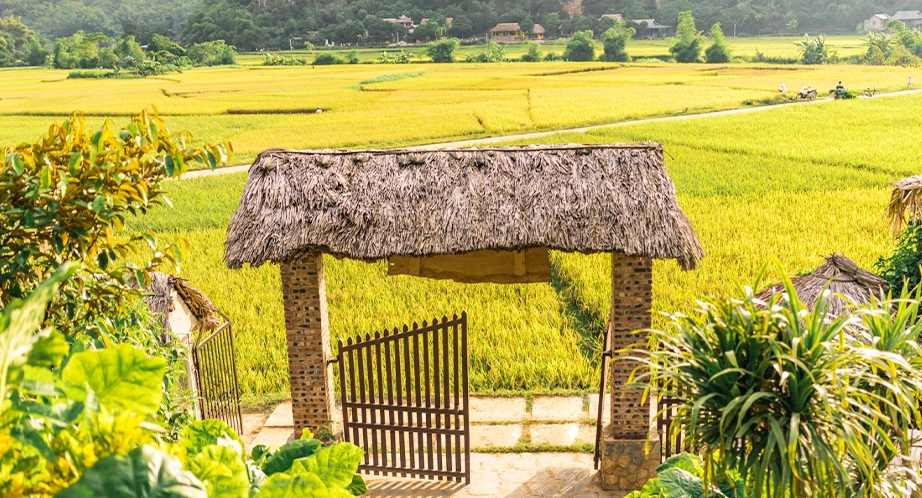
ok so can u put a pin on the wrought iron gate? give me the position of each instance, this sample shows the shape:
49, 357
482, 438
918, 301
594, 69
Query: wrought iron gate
215, 372
405, 399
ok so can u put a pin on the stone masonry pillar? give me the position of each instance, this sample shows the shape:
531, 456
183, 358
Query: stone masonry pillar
308, 336
626, 465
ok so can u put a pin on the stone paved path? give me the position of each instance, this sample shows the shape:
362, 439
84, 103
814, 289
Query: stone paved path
506, 475
495, 423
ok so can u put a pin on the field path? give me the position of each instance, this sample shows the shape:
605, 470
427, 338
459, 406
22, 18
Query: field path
583, 129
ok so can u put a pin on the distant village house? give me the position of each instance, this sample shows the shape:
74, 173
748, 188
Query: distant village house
510, 31
654, 29
878, 22
404, 20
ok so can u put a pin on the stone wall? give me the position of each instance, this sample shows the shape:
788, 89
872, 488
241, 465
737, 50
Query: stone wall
626, 465
308, 336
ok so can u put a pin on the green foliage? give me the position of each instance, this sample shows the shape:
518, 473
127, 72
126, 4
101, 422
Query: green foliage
814, 50
397, 58
223, 470
494, 52
19, 45
198, 435
72, 192
214, 53
797, 402
614, 43
683, 475
719, 51
580, 47
902, 266
443, 50
282, 460
79, 51
271, 59
533, 54
326, 60
120, 378
910, 39
689, 40
143, 473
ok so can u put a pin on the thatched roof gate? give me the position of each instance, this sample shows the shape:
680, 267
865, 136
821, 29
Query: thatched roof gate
472, 215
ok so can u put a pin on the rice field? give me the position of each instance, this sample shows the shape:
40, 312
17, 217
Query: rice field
376, 106
780, 188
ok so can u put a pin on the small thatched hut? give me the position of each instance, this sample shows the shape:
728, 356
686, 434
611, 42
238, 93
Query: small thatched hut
471, 215
181, 308
905, 202
848, 283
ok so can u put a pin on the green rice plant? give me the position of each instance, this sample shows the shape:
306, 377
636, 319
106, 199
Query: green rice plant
798, 402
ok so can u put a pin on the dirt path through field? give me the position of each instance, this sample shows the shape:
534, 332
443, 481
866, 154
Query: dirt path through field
582, 129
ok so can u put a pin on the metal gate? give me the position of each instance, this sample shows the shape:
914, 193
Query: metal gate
405, 400
215, 372
671, 444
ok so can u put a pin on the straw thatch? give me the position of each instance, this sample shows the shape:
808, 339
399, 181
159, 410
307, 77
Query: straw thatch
905, 202
844, 278
160, 300
369, 205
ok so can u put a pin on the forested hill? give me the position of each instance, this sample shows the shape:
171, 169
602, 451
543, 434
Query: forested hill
279, 24
57, 18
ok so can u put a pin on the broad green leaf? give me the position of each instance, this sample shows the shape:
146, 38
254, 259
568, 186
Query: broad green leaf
143, 473
48, 350
19, 321
222, 470
202, 433
678, 483
256, 476
685, 461
121, 377
357, 487
282, 459
334, 465
298, 486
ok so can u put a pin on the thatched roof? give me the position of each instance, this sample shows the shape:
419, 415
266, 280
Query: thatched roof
844, 278
370, 205
160, 300
905, 202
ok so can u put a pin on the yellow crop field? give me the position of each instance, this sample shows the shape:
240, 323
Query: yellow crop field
783, 186
258, 108
787, 184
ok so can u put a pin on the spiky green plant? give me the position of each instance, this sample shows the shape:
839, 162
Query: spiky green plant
800, 403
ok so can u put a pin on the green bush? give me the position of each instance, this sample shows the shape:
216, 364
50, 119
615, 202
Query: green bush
614, 43
814, 50
683, 475
688, 46
533, 54
212, 53
797, 402
77, 423
719, 51
442, 51
903, 266
580, 47
326, 60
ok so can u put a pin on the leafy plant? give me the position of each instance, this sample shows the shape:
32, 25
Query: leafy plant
719, 51
798, 402
614, 43
443, 50
683, 475
580, 47
814, 50
903, 266
688, 47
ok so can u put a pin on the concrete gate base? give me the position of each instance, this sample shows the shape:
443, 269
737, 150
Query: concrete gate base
626, 466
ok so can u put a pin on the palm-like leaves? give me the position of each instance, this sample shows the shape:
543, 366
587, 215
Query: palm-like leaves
800, 403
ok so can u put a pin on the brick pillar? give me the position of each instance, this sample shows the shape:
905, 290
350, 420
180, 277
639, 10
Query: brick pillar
626, 465
308, 336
